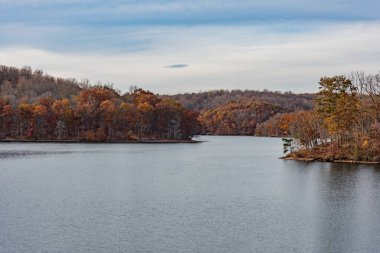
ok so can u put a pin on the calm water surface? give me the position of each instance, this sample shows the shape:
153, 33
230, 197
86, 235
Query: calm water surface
231, 194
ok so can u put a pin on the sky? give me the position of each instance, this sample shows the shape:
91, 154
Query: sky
172, 46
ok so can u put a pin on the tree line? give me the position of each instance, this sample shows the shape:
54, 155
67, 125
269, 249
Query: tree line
37, 106
98, 113
221, 112
203, 101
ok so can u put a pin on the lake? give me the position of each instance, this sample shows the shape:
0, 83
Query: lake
230, 194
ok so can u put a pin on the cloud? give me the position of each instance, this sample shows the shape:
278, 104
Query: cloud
245, 57
177, 66
274, 44
175, 12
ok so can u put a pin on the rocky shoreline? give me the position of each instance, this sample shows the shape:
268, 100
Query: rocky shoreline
316, 159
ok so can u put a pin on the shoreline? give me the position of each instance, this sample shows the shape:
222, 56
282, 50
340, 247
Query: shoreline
104, 142
311, 159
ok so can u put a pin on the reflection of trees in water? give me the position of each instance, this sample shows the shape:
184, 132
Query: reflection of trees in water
24, 153
344, 223
337, 205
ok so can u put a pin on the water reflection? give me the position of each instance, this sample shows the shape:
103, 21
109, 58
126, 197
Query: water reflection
24, 153
344, 204
231, 194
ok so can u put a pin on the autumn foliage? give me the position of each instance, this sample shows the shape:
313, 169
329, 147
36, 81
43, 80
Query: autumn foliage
98, 113
237, 118
345, 122
239, 112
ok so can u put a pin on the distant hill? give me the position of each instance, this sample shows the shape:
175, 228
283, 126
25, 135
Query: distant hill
239, 112
212, 99
28, 85
237, 118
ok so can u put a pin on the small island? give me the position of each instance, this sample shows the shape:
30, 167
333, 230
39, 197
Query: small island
344, 125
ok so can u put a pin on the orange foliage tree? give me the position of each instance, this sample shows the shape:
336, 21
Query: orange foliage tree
99, 113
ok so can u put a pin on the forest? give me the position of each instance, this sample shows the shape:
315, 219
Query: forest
239, 112
221, 112
203, 101
343, 126
36, 106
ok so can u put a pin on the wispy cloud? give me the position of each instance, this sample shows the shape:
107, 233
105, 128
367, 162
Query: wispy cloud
177, 66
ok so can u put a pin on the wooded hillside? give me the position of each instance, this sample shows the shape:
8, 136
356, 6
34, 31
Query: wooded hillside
237, 118
238, 112
221, 112
212, 99
36, 106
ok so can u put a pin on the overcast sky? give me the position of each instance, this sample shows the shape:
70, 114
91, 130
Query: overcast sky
172, 46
